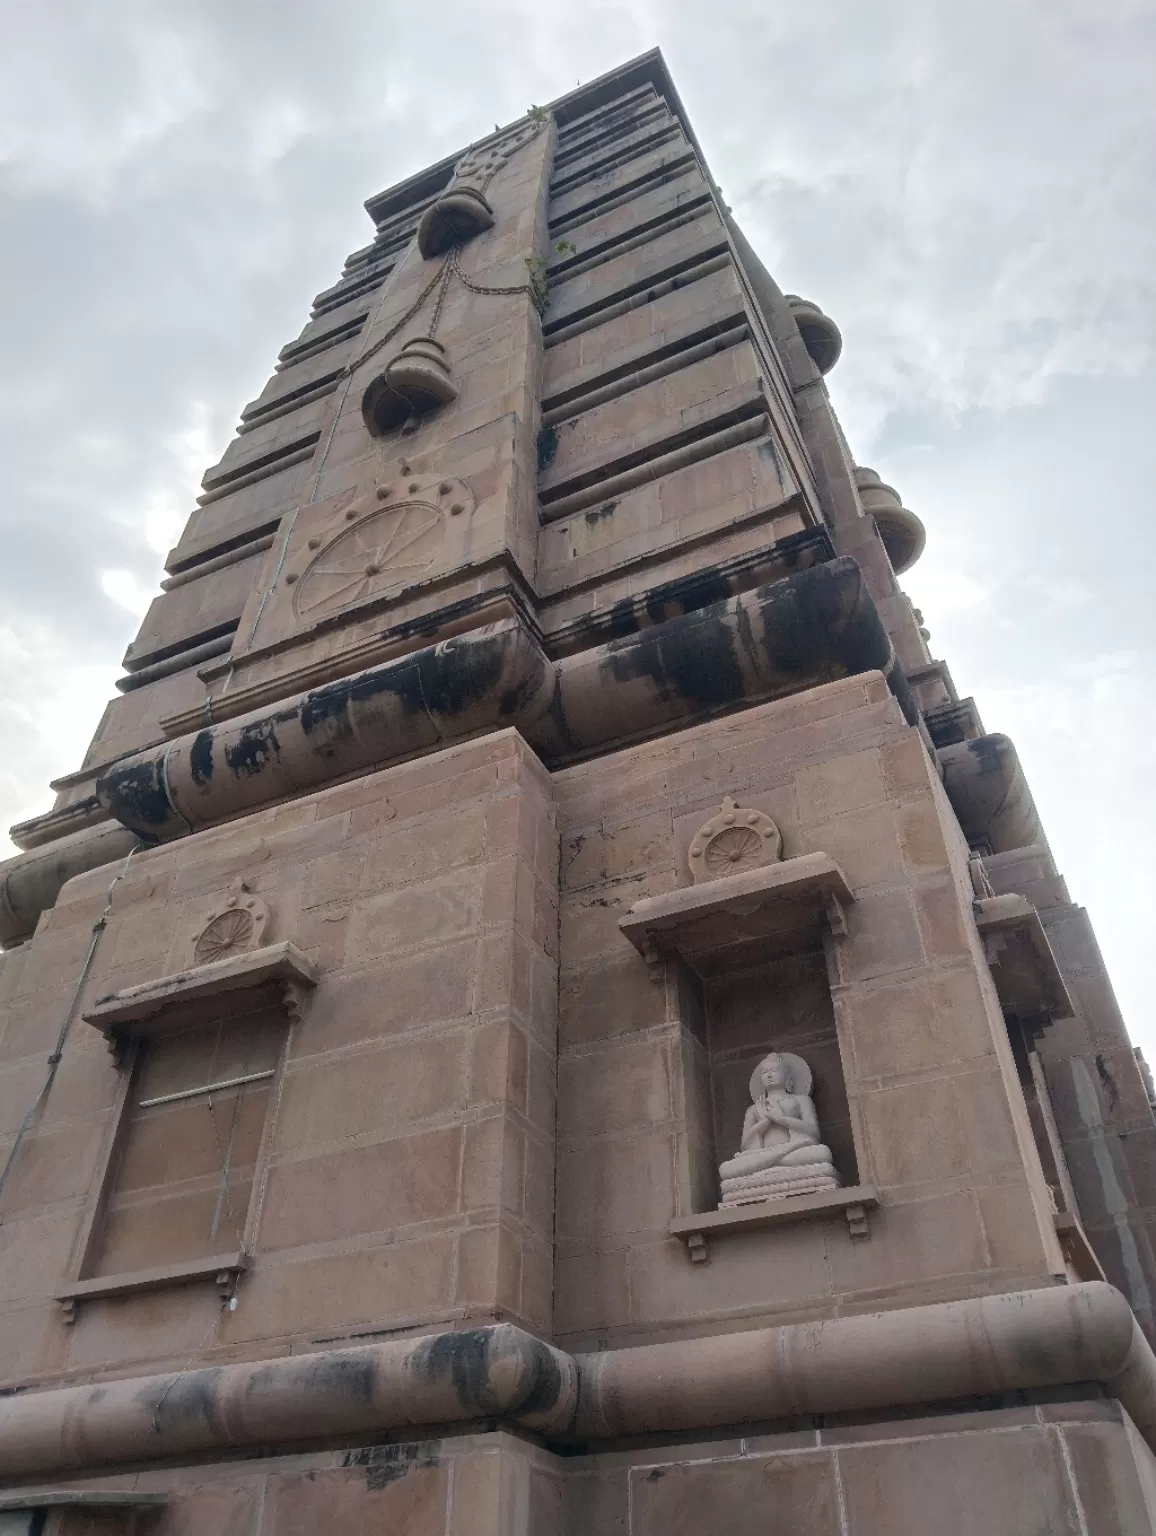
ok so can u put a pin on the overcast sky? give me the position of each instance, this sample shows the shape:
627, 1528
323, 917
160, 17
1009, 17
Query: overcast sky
966, 188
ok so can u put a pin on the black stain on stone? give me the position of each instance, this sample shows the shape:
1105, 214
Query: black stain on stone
1107, 1081
621, 619
669, 599
201, 757
556, 712
190, 1398
330, 706
254, 747
692, 657
385, 1464
547, 448
136, 794
990, 752
459, 674
465, 1359
596, 514
546, 1381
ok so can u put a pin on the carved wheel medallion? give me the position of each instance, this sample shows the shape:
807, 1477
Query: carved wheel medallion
235, 926
232, 930
375, 558
732, 841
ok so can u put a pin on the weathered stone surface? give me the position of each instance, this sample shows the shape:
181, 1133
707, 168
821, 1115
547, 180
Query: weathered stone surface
541, 555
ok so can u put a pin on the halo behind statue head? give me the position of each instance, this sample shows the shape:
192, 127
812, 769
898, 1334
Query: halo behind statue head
798, 1074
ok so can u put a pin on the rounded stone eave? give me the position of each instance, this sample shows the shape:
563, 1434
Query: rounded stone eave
821, 336
903, 534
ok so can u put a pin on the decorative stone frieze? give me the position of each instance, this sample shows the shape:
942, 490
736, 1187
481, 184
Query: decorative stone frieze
734, 840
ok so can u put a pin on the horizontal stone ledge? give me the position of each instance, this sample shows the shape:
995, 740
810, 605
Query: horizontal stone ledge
222, 1268
777, 910
31, 882
852, 1203
948, 1352
814, 627
140, 1010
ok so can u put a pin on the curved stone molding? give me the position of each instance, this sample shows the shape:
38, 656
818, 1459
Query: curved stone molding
949, 1351
820, 334
31, 882
733, 840
903, 534
814, 627
990, 795
233, 927
494, 676
415, 381
498, 1372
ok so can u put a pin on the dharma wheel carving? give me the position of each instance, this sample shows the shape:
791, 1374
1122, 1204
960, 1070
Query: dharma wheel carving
733, 840
236, 926
388, 545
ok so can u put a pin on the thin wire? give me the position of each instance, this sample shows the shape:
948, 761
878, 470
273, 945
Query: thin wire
54, 1060
212, 1328
225, 1158
173, 806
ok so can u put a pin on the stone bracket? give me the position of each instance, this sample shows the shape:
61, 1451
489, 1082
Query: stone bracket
697, 1230
1015, 944
775, 909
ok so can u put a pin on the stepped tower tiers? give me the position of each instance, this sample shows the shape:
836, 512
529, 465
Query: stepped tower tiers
559, 1019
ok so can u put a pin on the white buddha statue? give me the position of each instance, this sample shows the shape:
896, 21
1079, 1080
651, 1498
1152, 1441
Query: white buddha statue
781, 1152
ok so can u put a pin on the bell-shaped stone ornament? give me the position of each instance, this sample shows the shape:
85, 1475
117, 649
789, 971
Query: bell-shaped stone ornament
903, 534
460, 213
819, 332
416, 380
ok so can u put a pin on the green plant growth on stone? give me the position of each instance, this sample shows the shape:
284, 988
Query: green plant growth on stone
539, 287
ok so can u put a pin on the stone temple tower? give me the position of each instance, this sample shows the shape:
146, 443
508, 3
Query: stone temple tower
542, 1012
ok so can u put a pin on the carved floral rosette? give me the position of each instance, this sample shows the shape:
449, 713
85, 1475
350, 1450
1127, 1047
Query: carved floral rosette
733, 840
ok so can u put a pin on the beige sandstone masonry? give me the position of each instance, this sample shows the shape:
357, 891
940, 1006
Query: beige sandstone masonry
542, 1012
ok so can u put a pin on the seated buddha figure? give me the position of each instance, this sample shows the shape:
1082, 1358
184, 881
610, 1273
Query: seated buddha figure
781, 1153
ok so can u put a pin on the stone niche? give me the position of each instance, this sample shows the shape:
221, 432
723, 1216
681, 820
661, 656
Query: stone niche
200, 1054
747, 956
